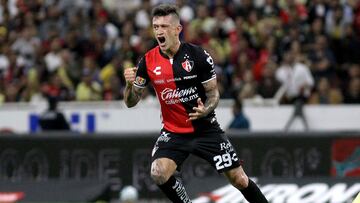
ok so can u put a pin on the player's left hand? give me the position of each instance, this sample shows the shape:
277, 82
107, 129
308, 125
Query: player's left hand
200, 111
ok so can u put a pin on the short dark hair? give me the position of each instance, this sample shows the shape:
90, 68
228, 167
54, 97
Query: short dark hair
166, 9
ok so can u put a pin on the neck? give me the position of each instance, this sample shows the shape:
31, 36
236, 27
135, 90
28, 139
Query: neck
172, 51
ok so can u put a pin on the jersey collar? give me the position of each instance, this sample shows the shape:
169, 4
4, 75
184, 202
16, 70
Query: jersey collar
178, 51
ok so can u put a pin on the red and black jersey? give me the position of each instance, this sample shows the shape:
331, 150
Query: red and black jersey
178, 83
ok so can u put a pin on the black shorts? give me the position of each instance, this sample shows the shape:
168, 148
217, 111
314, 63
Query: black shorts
215, 148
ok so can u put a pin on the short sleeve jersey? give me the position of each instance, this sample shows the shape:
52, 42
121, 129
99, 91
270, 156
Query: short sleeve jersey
178, 83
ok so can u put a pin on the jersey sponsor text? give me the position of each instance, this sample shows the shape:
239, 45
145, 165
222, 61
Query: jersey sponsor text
175, 96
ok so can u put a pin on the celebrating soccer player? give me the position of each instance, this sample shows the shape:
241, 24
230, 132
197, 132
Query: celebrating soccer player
184, 79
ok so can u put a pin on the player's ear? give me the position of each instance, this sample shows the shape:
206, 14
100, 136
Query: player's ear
179, 29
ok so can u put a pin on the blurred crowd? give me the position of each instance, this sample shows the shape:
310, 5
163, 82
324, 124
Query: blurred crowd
77, 49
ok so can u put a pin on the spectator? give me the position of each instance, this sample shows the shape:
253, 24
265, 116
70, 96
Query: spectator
356, 21
266, 53
317, 9
316, 28
142, 16
296, 78
201, 26
325, 94
247, 85
245, 7
223, 21
251, 26
110, 79
242, 66
90, 66
268, 85
322, 59
4, 61
31, 92
11, 92
246, 91
335, 22
219, 46
354, 71
56, 88
240, 121
26, 46
185, 10
66, 37
293, 12
349, 47
337, 27
293, 34
53, 58
352, 95
69, 71
2, 92
270, 9
300, 56
53, 119
128, 50
88, 89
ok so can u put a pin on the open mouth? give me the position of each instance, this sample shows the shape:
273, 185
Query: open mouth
161, 39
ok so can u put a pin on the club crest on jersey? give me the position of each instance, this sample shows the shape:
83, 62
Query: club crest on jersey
187, 65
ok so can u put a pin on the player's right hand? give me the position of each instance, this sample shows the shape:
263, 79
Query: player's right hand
129, 75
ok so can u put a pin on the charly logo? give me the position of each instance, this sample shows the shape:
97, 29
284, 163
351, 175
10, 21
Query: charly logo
157, 70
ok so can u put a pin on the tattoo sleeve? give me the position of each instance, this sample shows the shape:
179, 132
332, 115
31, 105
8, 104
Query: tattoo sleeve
212, 94
132, 95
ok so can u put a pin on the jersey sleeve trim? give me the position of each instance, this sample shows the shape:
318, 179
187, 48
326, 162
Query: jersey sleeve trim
136, 85
214, 77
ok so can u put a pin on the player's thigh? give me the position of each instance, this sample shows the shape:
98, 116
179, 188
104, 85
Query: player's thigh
172, 147
218, 151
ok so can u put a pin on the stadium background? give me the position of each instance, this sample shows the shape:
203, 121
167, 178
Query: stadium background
76, 51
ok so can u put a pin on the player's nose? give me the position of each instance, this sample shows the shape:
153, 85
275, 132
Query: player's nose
159, 33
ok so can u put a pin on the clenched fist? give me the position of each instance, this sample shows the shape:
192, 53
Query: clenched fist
129, 75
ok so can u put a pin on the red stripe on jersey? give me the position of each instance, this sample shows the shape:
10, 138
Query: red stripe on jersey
161, 75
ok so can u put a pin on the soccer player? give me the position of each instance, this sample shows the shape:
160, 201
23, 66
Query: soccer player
184, 79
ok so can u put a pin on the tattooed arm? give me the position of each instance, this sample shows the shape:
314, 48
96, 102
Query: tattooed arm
132, 94
213, 96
